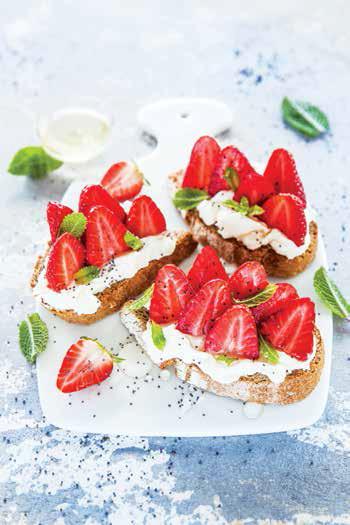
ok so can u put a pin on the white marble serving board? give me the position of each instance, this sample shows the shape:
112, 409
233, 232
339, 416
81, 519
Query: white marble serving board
139, 400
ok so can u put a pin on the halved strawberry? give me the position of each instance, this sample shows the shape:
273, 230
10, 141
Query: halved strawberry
203, 159
234, 334
86, 363
95, 195
170, 295
291, 328
55, 213
284, 292
285, 212
230, 157
249, 279
145, 218
104, 236
123, 181
255, 187
66, 257
201, 311
282, 173
205, 267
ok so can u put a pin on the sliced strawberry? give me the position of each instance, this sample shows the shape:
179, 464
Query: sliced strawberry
285, 212
284, 292
201, 311
205, 267
255, 187
123, 181
66, 257
291, 328
104, 236
145, 218
230, 157
282, 173
86, 363
249, 279
55, 213
170, 295
95, 195
234, 334
203, 159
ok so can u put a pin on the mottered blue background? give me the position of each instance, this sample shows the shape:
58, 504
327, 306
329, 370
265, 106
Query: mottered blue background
249, 55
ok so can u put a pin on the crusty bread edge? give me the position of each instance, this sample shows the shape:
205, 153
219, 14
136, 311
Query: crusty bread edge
233, 251
256, 388
113, 298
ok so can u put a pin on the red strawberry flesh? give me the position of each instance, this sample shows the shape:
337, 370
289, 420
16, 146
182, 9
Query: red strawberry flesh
66, 257
145, 218
249, 279
94, 195
203, 159
284, 292
285, 212
206, 266
55, 213
123, 181
230, 157
255, 187
282, 173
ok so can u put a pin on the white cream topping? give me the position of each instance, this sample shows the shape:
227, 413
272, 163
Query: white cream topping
186, 348
253, 233
82, 297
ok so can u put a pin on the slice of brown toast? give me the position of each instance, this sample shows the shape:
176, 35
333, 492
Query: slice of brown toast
113, 298
256, 388
234, 251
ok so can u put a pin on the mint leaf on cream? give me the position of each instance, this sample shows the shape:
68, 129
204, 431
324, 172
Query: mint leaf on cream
134, 242
259, 298
305, 118
189, 198
330, 294
225, 359
141, 301
267, 352
86, 274
243, 207
158, 338
34, 162
74, 223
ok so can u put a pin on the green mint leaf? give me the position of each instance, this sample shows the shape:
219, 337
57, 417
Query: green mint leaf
33, 161
157, 336
267, 352
141, 301
244, 203
189, 198
259, 298
304, 117
232, 178
134, 242
330, 294
241, 207
74, 223
33, 337
225, 359
86, 274
255, 210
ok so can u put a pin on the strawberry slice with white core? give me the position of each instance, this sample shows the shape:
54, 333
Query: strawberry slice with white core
285, 212
66, 257
205, 267
201, 311
171, 293
145, 218
86, 363
255, 187
123, 181
284, 292
291, 328
94, 195
203, 160
249, 279
55, 213
281, 171
104, 236
234, 334
230, 157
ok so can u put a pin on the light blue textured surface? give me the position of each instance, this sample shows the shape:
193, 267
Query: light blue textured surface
249, 57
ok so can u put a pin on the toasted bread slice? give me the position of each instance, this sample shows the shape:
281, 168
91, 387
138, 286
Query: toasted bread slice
113, 298
256, 388
234, 251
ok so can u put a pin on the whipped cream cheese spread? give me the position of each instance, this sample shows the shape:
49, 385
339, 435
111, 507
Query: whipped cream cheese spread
82, 297
251, 232
186, 348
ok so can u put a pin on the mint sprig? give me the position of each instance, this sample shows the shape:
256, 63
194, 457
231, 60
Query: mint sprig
243, 207
33, 337
305, 118
189, 198
259, 298
330, 294
141, 301
232, 178
86, 274
34, 162
267, 352
134, 242
158, 337
225, 359
74, 223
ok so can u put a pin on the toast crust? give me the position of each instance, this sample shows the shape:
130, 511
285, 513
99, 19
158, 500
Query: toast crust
113, 298
233, 251
256, 388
